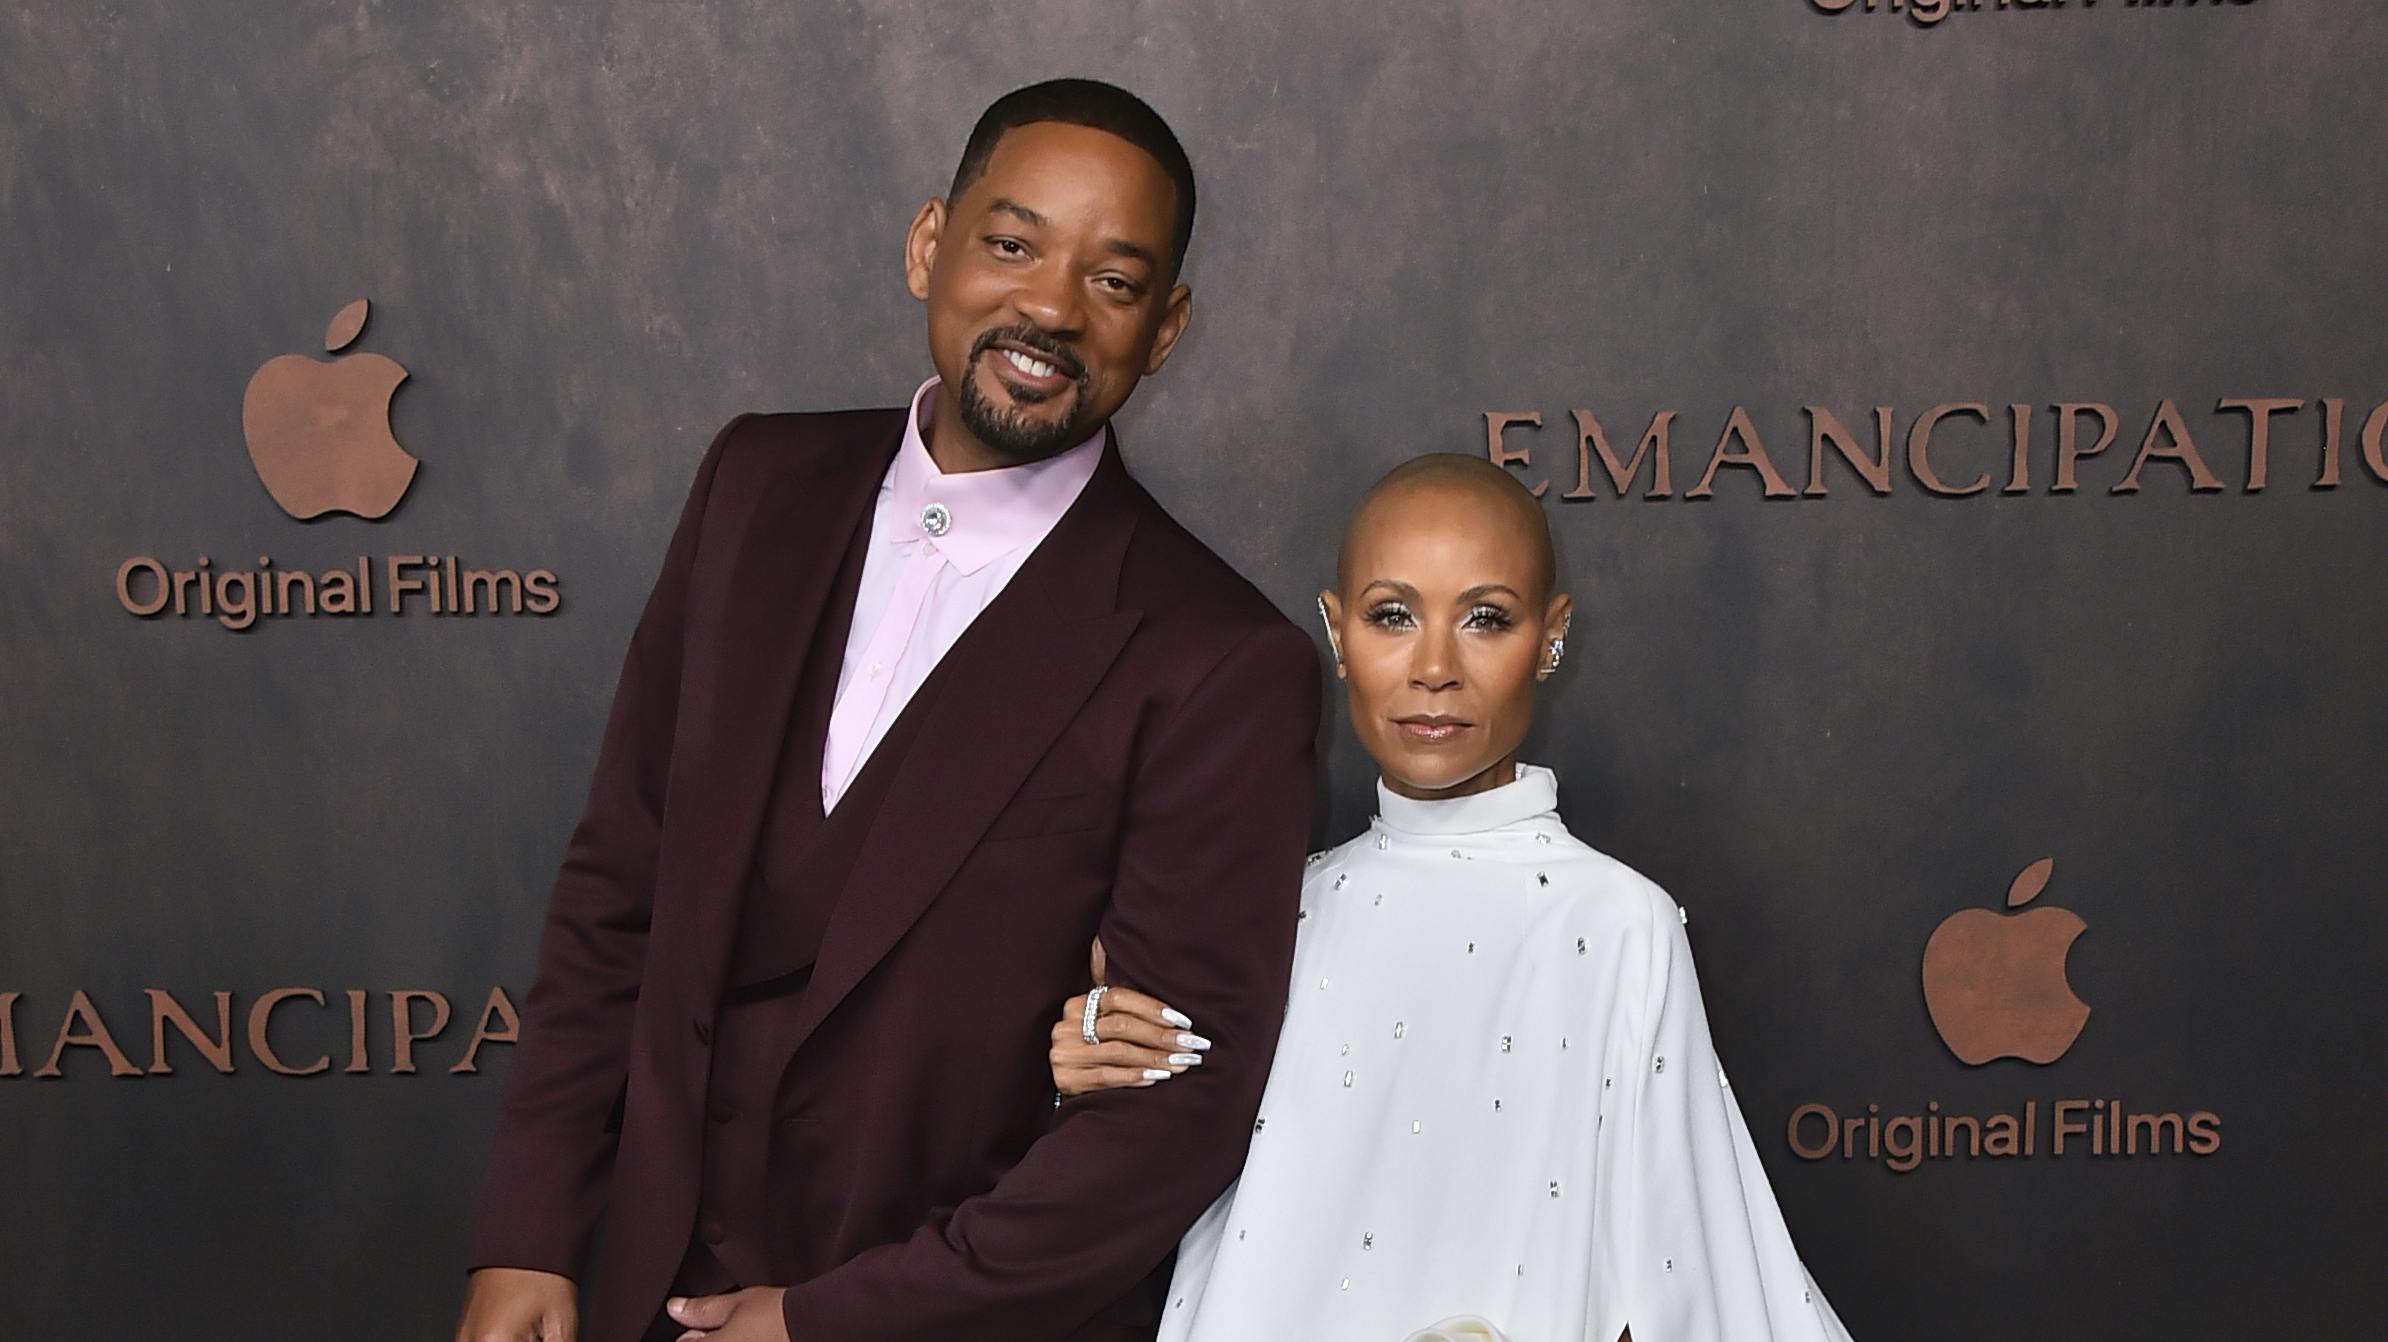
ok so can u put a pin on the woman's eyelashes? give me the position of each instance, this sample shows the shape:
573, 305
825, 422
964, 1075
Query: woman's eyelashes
1484, 616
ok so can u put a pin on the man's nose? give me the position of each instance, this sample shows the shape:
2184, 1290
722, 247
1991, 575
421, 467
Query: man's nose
1049, 299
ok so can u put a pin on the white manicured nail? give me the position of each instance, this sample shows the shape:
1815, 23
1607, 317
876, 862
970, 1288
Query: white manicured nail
1185, 1060
1177, 1018
1158, 1074
1193, 1041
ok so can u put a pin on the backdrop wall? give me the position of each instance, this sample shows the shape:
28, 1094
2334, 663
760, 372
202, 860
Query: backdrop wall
1819, 691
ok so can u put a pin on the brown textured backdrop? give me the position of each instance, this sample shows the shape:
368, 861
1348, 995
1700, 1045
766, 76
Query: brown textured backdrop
594, 231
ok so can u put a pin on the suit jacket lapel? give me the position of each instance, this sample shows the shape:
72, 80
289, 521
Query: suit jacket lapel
994, 706
791, 534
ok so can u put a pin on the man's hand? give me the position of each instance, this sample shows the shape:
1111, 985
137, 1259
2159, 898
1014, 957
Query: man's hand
513, 1304
751, 1315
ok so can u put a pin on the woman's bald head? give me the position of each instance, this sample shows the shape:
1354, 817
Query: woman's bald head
1443, 618
1459, 488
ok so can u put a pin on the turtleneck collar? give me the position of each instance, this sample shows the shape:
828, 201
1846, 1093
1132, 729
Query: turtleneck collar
1531, 797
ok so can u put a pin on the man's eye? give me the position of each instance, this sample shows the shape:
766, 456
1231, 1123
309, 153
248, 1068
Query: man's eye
1010, 247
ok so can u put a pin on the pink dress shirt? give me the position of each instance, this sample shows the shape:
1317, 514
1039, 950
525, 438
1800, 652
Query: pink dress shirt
942, 547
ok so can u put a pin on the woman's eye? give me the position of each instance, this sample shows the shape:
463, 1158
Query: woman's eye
1389, 616
1488, 617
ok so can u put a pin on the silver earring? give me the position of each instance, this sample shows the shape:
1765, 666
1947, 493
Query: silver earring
1558, 652
1329, 625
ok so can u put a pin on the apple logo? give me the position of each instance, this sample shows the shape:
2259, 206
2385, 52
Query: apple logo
319, 429
1995, 982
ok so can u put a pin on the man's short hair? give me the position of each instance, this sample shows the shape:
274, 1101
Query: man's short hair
1097, 106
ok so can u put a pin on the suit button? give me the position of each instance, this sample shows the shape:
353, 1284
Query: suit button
704, 1032
712, 1231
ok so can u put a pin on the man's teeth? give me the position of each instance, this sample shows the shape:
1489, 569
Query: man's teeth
1032, 367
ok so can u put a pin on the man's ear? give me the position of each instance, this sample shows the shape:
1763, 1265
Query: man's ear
920, 247
1174, 317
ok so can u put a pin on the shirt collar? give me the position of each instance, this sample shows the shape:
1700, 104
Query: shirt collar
1532, 797
987, 514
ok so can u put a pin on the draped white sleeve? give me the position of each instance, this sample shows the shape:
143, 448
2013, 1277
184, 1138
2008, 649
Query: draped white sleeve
1690, 1241
1494, 1103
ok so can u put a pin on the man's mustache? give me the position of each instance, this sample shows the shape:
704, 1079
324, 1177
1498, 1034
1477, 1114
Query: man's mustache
1048, 347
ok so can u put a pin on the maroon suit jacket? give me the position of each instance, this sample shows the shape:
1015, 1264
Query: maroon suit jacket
1122, 742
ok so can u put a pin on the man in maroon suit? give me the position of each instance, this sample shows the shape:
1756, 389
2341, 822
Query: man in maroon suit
922, 702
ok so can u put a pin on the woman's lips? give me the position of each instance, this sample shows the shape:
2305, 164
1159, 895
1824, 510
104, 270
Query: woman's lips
1432, 731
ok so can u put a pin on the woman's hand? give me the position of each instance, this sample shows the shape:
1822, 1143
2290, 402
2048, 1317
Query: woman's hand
1145, 1042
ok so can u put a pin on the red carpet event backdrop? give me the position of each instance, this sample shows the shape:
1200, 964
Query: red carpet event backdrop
1962, 421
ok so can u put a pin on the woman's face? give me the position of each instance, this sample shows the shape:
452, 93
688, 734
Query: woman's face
1443, 621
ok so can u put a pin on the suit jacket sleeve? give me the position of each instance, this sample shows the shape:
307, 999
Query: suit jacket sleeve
554, 1145
1202, 915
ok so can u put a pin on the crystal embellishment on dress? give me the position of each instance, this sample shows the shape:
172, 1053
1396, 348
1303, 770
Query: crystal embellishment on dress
1683, 915
1554, 1188
1347, 1050
935, 520
1416, 1127
1259, 1123
1542, 878
1504, 1043
1368, 1239
1380, 899
1347, 1285
1579, 945
1670, 1264
1322, 985
1456, 853
1341, 878
1381, 841
1662, 1064
1399, 1029
1347, 1081
1496, 1106
1542, 838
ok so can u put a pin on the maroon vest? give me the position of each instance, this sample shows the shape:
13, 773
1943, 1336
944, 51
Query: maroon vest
802, 861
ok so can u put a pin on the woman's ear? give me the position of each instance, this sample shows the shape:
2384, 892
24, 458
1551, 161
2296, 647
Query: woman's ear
1556, 617
1330, 614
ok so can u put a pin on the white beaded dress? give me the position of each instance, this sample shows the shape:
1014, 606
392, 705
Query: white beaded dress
1494, 1096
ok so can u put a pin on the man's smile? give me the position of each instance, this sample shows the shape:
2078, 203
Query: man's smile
1030, 374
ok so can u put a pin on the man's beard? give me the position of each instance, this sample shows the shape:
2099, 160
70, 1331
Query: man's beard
1006, 430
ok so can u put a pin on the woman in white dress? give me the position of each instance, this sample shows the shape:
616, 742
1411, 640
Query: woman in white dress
1494, 1101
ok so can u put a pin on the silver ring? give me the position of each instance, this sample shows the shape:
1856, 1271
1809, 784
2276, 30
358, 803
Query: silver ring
1094, 1006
